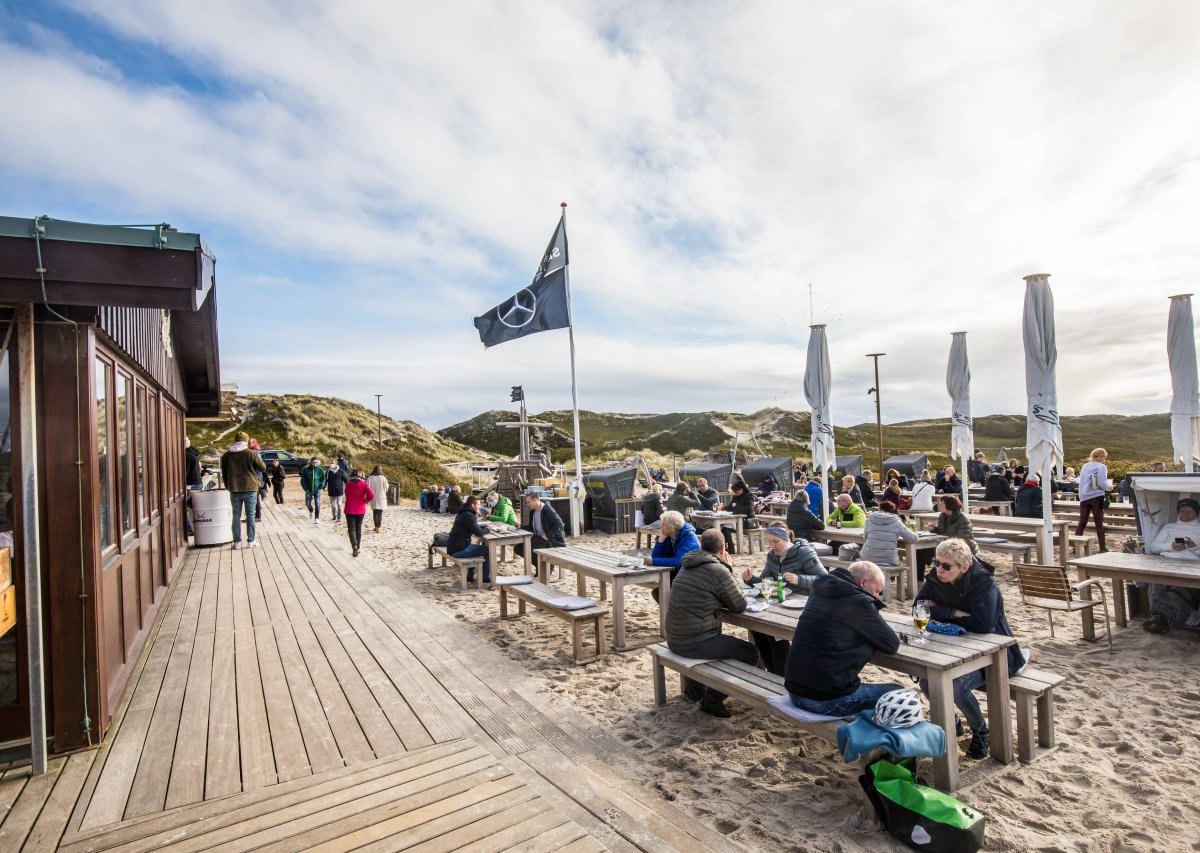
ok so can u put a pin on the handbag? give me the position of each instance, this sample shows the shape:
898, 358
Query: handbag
923, 818
905, 503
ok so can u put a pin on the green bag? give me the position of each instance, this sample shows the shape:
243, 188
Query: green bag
923, 818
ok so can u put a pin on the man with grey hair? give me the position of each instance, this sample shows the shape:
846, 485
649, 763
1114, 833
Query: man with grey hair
676, 539
838, 632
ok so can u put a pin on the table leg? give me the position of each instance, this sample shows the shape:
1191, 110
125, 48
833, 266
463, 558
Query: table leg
1089, 625
494, 561
543, 569
1118, 597
664, 599
1064, 545
527, 547
580, 584
603, 590
941, 713
744, 536
999, 718
618, 613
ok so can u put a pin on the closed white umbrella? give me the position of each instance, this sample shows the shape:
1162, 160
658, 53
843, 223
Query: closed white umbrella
1043, 433
1185, 388
817, 382
958, 386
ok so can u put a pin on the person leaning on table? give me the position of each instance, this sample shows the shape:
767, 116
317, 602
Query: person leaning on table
837, 634
846, 513
964, 593
681, 500
703, 588
544, 522
799, 566
801, 520
952, 523
710, 498
676, 538
1179, 541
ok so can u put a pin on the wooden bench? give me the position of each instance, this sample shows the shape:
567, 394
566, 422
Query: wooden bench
894, 575
539, 594
1033, 687
651, 533
1015, 550
465, 564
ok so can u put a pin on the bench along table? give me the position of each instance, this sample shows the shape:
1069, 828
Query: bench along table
1135, 568
1125, 512
540, 595
703, 520
501, 536
1013, 524
940, 661
855, 535
602, 566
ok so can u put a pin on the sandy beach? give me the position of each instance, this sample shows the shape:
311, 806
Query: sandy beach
1120, 780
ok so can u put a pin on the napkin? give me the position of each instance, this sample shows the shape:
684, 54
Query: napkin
756, 606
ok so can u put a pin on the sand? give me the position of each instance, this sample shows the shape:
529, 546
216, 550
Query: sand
1122, 778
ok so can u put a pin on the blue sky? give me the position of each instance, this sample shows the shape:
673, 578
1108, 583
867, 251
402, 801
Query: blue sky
373, 175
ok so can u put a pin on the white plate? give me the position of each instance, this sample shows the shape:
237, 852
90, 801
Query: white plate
793, 604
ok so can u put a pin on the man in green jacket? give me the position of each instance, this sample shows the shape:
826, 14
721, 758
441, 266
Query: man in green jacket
702, 589
313, 480
241, 470
847, 514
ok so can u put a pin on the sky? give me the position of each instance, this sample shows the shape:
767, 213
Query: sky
372, 175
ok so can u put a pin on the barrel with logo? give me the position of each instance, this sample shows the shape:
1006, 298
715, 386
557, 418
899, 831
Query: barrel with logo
212, 517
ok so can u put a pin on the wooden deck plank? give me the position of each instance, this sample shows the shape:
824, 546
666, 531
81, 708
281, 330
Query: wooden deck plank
296, 595
254, 733
52, 820
554, 838
496, 832
255, 598
296, 561
287, 743
351, 742
11, 785
264, 570
319, 743
23, 813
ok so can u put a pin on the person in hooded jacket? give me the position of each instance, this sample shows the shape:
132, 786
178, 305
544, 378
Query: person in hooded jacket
799, 566
191, 471
466, 524
800, 518
997, 487
676, 538
312, 480
1029, 500
335, 487
501, 509
964, 593
241, 470
358, 495
278, 476
703, 588
881, 536
742, 503
652, 506
454, 500
837, 634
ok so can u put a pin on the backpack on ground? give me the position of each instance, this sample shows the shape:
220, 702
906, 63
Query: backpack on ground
923, 818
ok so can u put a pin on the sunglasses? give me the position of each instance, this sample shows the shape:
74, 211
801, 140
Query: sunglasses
943, 567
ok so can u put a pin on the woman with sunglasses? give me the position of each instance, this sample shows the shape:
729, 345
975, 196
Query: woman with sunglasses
961, 591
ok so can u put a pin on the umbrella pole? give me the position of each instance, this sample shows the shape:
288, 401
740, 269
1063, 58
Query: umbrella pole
966, 480
1047, 532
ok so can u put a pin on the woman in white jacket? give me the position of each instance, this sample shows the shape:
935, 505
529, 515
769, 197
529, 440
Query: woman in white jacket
883, 531
379, 485
922, 494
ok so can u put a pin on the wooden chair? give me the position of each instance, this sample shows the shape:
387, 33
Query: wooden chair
1049, 587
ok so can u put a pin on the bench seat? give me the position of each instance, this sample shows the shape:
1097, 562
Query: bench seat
464, 564
539, 595
1029, 689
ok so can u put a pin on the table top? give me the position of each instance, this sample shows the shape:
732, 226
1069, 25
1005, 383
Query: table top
595, 562
941, 652
1135, 564
508, 533
707, 513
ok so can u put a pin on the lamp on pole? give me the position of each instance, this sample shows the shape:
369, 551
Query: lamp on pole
379, 420
878, 408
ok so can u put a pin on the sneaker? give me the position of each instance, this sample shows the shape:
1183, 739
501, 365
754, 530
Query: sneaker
316, 521
237, 546
1157, 624
470, 577
1026, 654
716, 709
254, 544
980, 745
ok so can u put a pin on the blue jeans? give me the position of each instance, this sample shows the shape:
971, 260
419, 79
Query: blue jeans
964, 699
249, 500
861, 699
476, 551
312, 500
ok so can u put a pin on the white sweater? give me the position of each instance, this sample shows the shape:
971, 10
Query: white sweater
379, 485
1088, 482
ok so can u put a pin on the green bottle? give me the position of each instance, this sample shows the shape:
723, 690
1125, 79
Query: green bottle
780, 591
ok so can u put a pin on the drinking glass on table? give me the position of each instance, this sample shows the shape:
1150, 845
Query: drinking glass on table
768, 586
920, 614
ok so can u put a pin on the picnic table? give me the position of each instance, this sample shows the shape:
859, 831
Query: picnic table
602, 566
501, 535
1135, 568
855, 536
716, 519
940, 661
1012, 524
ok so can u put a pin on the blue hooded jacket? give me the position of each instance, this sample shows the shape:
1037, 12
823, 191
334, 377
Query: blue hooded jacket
670, 552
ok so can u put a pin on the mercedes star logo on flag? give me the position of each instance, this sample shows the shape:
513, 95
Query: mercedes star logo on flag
519, 310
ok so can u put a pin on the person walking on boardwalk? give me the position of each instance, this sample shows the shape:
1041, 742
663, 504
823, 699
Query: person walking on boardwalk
358, 495
240, 470
312, 480
379, 485
335, 486
278, 475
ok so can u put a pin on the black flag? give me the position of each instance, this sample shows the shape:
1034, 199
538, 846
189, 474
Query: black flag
538, 308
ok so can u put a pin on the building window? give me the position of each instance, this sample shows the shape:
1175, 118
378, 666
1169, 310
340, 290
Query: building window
103, 452
152, 445
124, 466
140, 454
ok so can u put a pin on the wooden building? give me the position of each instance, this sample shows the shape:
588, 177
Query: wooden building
109, 342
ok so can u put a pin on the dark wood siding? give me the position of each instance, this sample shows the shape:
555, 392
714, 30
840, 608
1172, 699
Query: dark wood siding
137, 332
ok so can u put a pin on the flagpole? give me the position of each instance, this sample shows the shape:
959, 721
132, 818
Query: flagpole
577, 492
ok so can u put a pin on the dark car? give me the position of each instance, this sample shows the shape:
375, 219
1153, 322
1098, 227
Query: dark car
291, 464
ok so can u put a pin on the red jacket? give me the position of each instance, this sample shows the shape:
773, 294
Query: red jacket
358, 495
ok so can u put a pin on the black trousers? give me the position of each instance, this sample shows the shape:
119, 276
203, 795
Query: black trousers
278, 489
720, 647
536, 543
377, 515
354, 528
773, 651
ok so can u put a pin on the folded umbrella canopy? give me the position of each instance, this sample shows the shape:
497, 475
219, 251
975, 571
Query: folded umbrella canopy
817, 382
958, 385
1185, 389
1043, 433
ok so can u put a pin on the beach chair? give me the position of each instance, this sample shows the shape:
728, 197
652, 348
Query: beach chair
1049, 587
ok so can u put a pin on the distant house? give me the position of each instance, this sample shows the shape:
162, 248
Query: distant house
122, 327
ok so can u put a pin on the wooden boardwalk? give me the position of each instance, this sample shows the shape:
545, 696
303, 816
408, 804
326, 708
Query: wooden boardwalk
294, 698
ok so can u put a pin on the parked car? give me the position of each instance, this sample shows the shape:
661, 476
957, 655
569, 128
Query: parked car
291, 463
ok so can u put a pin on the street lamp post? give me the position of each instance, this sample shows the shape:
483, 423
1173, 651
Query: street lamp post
379, 420
878, 411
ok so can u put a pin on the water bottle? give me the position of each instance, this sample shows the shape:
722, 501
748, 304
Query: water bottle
780, 591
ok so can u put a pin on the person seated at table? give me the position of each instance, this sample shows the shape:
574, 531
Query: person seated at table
801, 519
948, 482
849, 487
1179, 540
816, 495
454, 500
977, 469
952, 523
799, 566
702, 589
501, 509
963, 592
997, 487
902, 479
1028, 502
544, 522
742, 503
676, 538
710, 499
682, 501
1158, 467
652, 506
892, 492
837, 634
846, 513
884, 529
865, 482
466, 524
769, 485
922, 494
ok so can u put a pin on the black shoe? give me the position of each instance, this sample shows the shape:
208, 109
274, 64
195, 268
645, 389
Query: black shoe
1157, 624
959, 731
694, 692
980, 745
470, 577
716, 708
487, 580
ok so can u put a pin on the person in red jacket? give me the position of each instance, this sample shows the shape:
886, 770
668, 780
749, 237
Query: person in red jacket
358, 495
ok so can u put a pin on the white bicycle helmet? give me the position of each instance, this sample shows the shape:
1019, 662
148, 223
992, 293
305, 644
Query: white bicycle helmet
898, 709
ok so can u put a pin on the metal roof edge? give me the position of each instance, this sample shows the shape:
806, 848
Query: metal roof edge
152, 237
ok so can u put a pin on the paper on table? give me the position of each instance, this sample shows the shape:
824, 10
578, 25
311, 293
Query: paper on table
756, 607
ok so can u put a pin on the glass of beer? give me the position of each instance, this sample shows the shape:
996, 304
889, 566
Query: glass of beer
920, 614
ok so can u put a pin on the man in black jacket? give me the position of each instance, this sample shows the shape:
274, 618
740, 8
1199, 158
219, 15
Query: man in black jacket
839, 631
997, 487
466, 524
710, 498
545, 524
948, 482
191, 472
800, 519
863, 481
